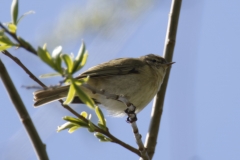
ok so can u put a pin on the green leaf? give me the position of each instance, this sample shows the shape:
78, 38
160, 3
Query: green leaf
84, 114
90, 116
49, 75
12, 28
4, 40
71, 94
14, 11
56, 55
66, 125
76, 121
25, 44
102, 137
79, 57
102, 127
45, 47
91, 130
25, 14
91, 127
57, 51
45, 56
83, 96
99, 135
106, 139
58, 64
73, 129
100, 116
81, 51
68, 61
4, 47
83, 61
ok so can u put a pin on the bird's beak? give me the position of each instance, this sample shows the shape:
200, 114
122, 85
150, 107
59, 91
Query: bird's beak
169, 64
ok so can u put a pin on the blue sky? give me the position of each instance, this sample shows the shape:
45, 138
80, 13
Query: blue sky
201, 112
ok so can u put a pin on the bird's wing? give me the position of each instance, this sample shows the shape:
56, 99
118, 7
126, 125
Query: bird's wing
119, 66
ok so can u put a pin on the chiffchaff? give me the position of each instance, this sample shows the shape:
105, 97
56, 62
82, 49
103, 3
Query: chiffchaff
137, 79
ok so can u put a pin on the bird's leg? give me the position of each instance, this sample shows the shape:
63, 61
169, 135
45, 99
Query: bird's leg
130, 111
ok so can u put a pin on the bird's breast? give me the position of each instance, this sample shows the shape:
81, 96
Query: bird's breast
138, 88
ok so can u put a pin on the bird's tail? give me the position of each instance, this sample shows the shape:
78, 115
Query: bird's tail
42, 97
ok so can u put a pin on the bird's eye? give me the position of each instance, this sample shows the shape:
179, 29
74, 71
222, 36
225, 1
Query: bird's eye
154, 60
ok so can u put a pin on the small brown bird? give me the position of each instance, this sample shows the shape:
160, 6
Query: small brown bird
138, 79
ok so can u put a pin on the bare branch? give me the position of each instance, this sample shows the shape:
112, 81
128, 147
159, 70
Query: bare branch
39, 146
15, 59
151, 139
138, 138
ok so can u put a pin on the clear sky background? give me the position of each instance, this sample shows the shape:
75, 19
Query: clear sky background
202, 106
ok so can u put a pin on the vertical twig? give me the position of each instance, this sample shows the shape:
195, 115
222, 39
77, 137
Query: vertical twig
39, 146
151, 139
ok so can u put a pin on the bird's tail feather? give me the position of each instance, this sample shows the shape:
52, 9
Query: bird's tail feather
42, 97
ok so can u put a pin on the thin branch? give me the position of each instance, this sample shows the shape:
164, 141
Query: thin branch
39, 146
15, 59
138, 138
21, 42
107, 133
151, 139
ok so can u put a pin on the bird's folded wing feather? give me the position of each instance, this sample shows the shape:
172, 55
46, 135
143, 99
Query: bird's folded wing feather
119, 66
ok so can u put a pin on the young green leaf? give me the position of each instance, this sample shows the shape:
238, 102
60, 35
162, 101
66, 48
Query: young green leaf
14, 11
100, 116
68, 61
81, 52
76, 121
44, 47
66, 125
4, 47
25, 14
58, 64
84, 114
106, 139
56, 55
79, 57
90, 130
83, 61
99, 135
57, 51
102, 137
71, 94
4, 40
102, 126
25, 44
45, 56
90, 116
71, 130
49, 75
83, 96
91, 127
12, 28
